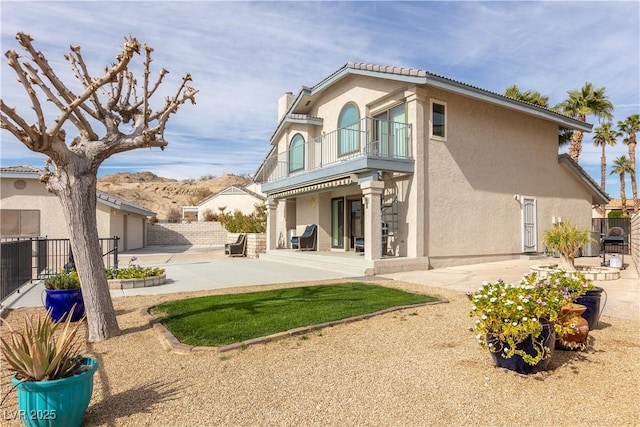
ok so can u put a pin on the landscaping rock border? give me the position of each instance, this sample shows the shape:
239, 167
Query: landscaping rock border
137, 283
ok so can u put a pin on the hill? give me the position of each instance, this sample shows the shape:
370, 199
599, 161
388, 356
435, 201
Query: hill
161, 195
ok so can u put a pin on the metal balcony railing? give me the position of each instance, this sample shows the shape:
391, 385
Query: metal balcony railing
369, 137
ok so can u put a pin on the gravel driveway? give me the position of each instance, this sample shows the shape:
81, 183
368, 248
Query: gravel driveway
417, 367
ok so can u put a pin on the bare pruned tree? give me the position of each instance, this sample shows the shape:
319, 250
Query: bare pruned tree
117, 104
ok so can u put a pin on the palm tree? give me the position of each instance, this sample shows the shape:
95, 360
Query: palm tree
604, 136
630, 127
621, 165
582, 103
530, 96
536, 98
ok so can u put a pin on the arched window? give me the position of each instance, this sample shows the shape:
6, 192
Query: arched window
349, 134
296, 153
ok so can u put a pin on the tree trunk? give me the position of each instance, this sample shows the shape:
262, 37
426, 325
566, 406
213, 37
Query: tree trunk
634, 184
78, 199
623, 195
576, 145
603, 169
567, 263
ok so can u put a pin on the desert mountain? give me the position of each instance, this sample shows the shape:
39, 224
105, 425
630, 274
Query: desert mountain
162, 195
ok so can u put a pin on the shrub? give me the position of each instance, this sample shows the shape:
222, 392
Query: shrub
209, 215
44, 350
566, 238
237, 222
63, 280
174, 215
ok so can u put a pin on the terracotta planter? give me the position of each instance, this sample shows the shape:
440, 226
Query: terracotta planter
572, 314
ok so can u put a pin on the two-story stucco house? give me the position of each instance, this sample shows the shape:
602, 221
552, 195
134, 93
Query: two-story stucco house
28, 209
425, 170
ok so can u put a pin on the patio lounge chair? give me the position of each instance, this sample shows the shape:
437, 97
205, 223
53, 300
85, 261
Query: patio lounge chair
308, 240
238, 248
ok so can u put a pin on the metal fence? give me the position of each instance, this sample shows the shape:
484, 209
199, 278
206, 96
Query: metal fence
34, 258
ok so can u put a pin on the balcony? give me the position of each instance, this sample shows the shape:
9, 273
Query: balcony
369, 144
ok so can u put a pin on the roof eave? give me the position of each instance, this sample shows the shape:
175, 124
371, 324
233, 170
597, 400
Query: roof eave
599, 197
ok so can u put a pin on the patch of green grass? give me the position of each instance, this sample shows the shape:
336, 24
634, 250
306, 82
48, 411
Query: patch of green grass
224, 319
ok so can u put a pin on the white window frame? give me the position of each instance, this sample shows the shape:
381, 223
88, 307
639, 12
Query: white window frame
446, 132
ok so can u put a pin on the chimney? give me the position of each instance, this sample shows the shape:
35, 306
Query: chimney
284, 103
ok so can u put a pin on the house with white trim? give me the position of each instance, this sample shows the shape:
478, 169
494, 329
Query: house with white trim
229, 199
28, 209
425, 170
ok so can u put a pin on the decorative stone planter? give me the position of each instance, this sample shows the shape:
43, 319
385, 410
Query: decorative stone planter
591, 273
137, 283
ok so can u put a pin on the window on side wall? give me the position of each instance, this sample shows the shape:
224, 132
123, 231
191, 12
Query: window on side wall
20, 222
296, 153
438, 120
349, 130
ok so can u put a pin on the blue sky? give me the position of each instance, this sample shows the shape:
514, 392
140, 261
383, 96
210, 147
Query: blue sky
244, 55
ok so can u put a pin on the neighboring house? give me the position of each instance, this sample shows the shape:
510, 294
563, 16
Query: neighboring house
28, 209
614, 205
457, 174
232, 198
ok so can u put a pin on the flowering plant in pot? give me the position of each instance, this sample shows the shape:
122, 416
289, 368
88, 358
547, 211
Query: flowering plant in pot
62, 293
53, 380
518, 320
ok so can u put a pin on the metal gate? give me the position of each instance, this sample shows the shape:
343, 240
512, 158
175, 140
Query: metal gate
529, 225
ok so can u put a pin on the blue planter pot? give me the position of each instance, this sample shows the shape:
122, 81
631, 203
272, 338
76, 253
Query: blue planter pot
592, 300
56, 403
60, 301
516, 363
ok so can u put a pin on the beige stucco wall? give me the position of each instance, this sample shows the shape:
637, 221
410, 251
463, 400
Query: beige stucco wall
35, 196
458, 206
492, 154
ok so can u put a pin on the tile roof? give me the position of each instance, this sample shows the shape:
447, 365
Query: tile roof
28, 171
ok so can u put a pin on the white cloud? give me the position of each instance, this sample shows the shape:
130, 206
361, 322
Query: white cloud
244, 55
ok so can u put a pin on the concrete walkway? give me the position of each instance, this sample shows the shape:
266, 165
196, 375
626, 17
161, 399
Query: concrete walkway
192, 268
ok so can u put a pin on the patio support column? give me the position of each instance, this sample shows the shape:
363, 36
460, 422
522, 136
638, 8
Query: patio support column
272, 220
372, 191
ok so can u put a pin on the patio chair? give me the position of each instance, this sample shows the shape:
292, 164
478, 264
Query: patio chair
308, 240
358, 244
238, 248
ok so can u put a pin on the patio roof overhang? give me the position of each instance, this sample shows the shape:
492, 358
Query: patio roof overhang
320, 186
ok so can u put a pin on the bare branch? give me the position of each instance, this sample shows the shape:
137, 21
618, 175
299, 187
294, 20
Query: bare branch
77, 118
80, 70
13, 61
131, 46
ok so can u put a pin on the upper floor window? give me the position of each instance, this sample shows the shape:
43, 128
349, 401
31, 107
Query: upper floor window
296, 153
349, 130
438, 120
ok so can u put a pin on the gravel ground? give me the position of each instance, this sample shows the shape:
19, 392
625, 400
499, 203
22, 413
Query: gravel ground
416, 367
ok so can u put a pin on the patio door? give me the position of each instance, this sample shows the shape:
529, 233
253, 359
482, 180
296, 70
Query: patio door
356, 221
337, 223
529, 225
390, 132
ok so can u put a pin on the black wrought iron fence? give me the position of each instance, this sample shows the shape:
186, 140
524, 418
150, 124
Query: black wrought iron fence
33, 258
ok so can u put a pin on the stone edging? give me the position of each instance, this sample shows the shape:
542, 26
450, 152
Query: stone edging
179, 347
591, 273
136, 283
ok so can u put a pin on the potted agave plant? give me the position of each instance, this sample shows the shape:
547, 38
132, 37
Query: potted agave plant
54, 382
62, 292
517, 322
